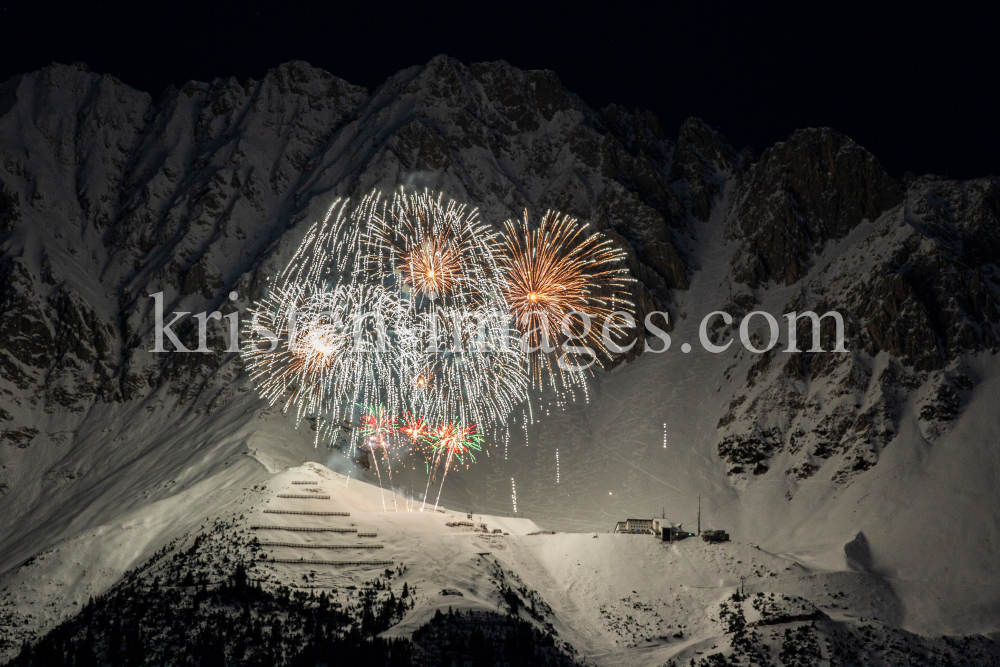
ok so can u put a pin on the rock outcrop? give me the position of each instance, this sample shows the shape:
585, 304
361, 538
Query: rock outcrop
812, 188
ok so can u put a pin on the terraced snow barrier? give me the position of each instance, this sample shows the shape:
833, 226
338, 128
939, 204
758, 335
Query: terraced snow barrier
322, 546
309, 512
304, 529
327, 562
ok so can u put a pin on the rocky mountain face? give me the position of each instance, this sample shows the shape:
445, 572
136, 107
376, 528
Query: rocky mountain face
815, 187
108, 197
916, 283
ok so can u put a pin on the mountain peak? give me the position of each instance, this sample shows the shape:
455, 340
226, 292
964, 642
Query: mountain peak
814, 187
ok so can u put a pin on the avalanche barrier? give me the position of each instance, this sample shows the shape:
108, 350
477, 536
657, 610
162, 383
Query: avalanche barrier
309, 512
322, 546
327, 562
304, 529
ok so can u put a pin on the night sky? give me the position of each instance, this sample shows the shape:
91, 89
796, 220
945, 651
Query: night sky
918, 86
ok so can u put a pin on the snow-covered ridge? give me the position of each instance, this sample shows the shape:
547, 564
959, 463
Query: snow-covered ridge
608, 598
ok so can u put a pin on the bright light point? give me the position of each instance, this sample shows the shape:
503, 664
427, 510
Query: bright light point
318, 341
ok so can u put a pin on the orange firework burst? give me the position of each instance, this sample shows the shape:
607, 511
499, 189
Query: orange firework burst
434, 249
555, 276
314, 345
433, 267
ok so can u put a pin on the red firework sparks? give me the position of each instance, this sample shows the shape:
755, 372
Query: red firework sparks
417, 428
456, 440
377, 426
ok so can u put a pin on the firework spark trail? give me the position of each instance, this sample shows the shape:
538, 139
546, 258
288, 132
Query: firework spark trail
388, 467
435, 250
378, 426
440, 458
449, 441
447, 464
379, 476
452, 441
419, 432
321, 349
442, 260
554, 275
465, 372
431, 470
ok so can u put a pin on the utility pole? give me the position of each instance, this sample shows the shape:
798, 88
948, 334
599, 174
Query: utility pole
699, 515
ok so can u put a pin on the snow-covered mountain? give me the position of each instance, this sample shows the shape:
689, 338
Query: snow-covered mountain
311, 550
108, 451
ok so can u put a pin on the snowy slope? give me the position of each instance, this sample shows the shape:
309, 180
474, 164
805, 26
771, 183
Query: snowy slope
609, 598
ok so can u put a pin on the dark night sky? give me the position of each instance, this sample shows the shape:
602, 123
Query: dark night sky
918, 86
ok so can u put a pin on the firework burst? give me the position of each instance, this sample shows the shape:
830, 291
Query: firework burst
433, 249
463, 367
554, 276
450, 442
377, 429
416, 428
457, 440
455, 359
319, 348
